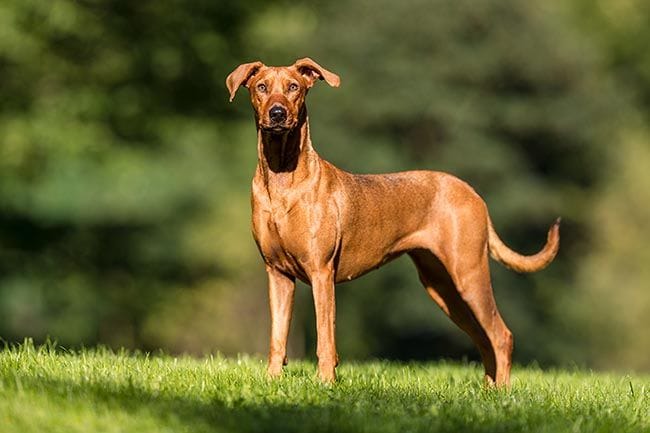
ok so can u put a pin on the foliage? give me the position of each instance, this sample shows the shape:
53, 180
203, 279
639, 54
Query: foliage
612, 300
621, 29
614, 277
119, 179
99, 390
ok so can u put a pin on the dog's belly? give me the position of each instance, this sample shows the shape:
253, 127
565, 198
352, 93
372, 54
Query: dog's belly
354, 267
361, 257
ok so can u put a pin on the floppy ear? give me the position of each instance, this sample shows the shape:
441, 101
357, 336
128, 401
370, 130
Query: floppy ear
312, 71
241, 75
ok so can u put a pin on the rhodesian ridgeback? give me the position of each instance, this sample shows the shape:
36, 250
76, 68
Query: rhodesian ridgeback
322, 225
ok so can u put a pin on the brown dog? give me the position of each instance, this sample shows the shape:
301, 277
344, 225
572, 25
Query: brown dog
322, 225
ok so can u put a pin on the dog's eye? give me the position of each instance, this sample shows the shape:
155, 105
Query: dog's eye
293, 87
261, 87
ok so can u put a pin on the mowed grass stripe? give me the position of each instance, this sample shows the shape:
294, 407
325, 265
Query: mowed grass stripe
98, 390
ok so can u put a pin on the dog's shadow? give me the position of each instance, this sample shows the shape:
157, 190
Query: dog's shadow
382, 407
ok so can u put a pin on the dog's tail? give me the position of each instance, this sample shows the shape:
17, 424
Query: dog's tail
518, 262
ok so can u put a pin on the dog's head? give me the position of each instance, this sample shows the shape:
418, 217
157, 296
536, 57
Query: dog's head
278, 92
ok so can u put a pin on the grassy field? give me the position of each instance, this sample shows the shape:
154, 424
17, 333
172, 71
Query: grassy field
47, 390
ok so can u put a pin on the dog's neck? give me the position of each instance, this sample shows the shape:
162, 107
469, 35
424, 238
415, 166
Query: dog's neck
285, 159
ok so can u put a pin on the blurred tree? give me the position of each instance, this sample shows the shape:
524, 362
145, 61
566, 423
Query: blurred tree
121, 174
622, 30
612, 302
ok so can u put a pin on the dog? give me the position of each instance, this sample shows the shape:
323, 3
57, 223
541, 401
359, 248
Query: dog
322, 225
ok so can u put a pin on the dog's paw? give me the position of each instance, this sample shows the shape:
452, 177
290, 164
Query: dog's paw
274, 370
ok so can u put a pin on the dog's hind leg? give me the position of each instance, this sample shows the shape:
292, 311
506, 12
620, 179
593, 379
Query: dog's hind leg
469, 302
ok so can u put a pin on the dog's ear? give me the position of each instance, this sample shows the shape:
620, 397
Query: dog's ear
241, 75
312, 71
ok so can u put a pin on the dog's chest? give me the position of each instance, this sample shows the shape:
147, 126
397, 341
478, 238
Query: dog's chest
292, 233
277, 229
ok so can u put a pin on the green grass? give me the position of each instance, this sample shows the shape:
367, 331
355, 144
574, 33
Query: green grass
47, 390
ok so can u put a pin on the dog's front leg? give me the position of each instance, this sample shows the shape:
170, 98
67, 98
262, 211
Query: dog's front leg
281, 295
325, 305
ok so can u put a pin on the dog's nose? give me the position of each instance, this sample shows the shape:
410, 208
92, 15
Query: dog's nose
278, 114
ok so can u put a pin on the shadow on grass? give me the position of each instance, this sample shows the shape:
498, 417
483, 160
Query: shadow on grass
388, 410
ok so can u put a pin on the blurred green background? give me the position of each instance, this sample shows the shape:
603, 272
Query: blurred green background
125, 174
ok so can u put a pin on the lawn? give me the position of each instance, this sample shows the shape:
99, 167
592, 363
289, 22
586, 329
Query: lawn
53, 390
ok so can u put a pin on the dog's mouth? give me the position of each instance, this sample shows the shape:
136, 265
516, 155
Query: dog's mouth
277, 128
